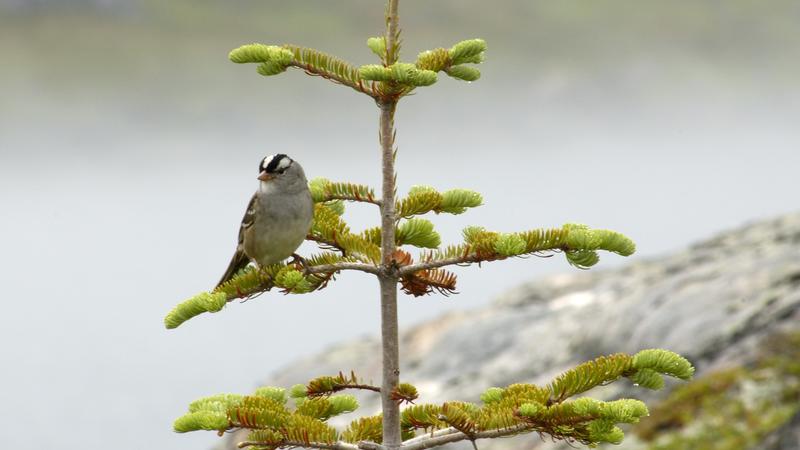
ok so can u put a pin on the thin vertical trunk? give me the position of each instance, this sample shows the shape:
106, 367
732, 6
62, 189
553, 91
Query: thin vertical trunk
388, 277
388, 283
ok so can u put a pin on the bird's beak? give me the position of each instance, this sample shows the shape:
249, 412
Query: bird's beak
264, 176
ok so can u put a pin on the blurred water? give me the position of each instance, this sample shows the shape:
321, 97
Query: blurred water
129, 146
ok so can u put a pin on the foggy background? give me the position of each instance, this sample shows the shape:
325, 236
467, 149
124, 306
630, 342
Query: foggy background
129, 147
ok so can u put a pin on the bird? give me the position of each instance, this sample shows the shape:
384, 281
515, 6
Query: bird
278, 217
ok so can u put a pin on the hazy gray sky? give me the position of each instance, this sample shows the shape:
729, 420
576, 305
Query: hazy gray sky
129, 147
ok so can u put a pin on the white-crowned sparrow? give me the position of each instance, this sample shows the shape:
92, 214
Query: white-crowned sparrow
278, 216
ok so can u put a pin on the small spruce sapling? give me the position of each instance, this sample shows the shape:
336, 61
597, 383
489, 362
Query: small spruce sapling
276, 422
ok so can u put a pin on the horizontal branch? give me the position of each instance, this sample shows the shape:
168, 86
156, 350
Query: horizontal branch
427, 436
311, 70
330, 268
366, 445
468, 259
579, 243
321, 445
365, 387
324, 190
274, 59
451, 435
342, 387
353, 198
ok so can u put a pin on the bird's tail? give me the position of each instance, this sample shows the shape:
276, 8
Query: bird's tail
238, 262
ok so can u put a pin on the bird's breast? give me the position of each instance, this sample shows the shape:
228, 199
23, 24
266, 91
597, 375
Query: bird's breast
280, 228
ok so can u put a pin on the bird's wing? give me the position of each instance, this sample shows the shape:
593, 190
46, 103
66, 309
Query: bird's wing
240, 260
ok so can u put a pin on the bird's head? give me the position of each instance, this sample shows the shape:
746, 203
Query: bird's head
280, 170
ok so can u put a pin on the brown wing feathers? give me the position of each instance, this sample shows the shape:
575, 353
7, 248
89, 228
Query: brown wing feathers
240, 260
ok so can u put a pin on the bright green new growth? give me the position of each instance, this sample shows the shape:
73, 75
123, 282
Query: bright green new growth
325, 408
260, 53
425, 199
276, 418
465, 73
368, 429
401, 73
652, 362
377, 45
274, 60
205, 302
324, 190
298, 391
471, 51
201, 420
275, 393
509, 244
419, 233
663, 362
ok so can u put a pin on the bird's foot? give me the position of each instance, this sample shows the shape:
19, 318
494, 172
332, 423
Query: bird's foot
300, 263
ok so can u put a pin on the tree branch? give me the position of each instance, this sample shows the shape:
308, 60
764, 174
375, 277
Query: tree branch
352, 198
365, 445
467, 259
311, 70
450, 435
427, 436
365, 387
338, 267
321, 445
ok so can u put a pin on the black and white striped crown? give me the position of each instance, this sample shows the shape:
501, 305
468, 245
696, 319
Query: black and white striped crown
275, 163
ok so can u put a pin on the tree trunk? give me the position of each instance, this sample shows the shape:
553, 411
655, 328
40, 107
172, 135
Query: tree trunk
388, 276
